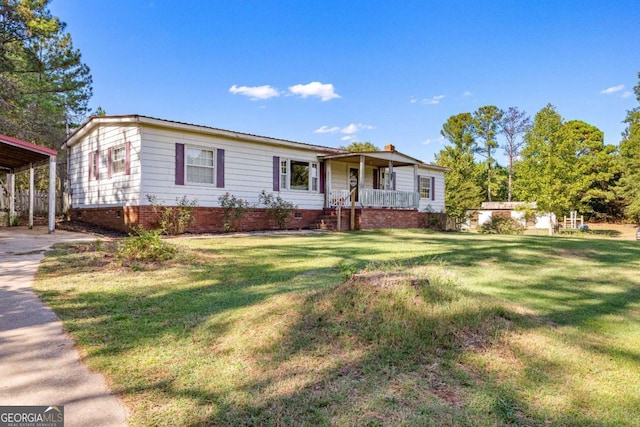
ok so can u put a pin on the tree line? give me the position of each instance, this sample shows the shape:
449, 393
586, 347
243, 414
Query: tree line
561, 165
44, 85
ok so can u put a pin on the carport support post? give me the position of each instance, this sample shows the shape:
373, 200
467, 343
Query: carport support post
52, 194
31, 194
11, 178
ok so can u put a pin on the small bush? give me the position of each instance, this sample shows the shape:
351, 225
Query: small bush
502, 225
173, 219
277, 207
234, 209
146, 245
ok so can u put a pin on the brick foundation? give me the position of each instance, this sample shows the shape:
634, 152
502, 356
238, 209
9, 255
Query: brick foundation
207, 220
210, 220
372, 218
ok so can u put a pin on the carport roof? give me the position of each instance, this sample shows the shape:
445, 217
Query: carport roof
17, 155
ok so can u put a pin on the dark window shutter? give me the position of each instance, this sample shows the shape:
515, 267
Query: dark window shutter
276, 173
90, 166
127, 158
220, 168
109, 161
375, 179
179, 164
321, 177
393, 177
419, 184
96, 164
433, 188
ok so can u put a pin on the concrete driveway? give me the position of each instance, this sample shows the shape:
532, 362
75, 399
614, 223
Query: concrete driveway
38, 360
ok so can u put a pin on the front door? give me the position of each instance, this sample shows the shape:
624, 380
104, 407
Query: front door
353, 180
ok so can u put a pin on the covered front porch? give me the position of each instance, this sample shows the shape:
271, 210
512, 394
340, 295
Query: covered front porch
370, 180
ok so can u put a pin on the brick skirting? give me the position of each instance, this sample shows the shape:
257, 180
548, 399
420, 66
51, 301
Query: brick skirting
373, 218
210, 220
207, 220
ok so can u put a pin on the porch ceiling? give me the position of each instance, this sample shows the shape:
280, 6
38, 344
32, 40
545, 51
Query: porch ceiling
17, 155
375, 158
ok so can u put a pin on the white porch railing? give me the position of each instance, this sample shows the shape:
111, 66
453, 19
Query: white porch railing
371, 198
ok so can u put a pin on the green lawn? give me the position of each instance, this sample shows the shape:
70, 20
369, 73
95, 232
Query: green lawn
434, 329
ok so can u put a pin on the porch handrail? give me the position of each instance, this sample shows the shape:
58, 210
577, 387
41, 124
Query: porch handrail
373, 198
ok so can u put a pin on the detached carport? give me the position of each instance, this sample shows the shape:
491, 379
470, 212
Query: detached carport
17, 156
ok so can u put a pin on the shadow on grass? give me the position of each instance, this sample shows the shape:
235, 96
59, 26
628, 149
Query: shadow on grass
380, 371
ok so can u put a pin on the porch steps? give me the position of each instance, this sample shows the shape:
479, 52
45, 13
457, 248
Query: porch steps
329, 221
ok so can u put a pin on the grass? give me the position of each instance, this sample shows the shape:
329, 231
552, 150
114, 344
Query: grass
433, 329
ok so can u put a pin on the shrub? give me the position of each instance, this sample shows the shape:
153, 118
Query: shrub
502, 225
276, 207
234, 209
173, 219
146, 245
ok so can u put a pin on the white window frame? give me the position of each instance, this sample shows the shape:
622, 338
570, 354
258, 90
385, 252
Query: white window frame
286, 174
213, 166
115, 161
427, 193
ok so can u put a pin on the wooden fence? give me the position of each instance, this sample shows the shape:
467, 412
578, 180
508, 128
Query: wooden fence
40, 202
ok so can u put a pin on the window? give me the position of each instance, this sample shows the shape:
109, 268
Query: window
299, 175
118, 161
94, 165
314, 177
284, 174
425, 187
200, 166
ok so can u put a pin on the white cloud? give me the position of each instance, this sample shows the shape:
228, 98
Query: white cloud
255, 92
467, 93
433, 141
612, 89
353, 128
349, 138
327, 129
433, 101
323, 91
626, 94
428, 101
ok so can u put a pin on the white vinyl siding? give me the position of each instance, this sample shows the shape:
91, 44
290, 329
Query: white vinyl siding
100, 189
248, 168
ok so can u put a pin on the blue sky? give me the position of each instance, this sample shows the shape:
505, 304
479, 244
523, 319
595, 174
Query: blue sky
328, 72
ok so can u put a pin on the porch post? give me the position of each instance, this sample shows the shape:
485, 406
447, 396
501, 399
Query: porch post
52, 194
31, 194
327, 183
416, 186
11, 178
361, 177
392, 184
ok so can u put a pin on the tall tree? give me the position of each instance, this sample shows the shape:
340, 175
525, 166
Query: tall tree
513, 124
630, 159
547, 173
463, 192
486, 126
597, 167
359, 147
43, 82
